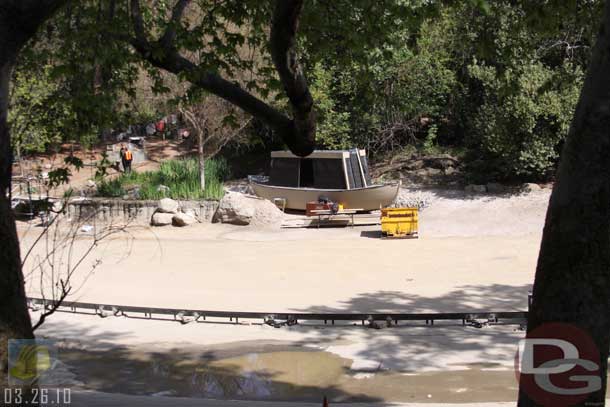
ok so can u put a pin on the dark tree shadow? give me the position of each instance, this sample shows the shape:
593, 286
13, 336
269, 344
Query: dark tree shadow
496, 297
423, 341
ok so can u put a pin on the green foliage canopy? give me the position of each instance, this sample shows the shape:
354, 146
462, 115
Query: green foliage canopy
496, 76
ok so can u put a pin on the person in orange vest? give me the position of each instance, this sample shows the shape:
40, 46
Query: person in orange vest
127, 159
122, 156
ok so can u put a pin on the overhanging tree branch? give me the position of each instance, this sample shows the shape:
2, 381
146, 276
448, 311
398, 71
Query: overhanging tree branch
298, 133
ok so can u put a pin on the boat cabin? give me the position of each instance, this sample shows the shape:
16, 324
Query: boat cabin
339, 169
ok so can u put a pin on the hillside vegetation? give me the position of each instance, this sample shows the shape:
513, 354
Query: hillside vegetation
494, 83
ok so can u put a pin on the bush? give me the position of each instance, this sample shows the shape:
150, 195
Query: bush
180, 177
524, 118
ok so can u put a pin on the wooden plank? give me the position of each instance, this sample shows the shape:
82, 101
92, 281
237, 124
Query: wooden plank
305, 222
329, 212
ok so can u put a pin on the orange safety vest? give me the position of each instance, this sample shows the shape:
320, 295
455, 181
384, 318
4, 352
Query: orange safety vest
128, 156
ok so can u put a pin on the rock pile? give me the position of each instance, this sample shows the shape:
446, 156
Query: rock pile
408, 199
169, 213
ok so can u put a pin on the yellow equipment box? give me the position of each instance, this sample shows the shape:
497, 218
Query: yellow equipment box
399, 222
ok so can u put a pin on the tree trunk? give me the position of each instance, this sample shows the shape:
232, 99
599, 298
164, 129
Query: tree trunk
19, 21
283, 44
201, 160
572, 284
14, 316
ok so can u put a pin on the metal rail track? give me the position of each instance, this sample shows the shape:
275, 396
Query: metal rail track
276, 319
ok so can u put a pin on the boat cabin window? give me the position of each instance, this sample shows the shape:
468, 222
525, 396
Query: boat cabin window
306, 177
284, 172
329, 174
322, 173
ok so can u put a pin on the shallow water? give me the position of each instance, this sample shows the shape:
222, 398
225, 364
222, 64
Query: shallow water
275, 372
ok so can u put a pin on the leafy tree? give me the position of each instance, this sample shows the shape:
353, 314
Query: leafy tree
35, 116
333, 130
392, 93
86, 75
521, 68
524, 117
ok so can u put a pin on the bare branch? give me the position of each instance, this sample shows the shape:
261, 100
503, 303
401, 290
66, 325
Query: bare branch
65, 290
57, 267
44, 231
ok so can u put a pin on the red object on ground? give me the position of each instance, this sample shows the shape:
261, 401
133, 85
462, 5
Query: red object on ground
315, 206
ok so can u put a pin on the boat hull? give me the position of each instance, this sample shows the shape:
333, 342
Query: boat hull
367, 199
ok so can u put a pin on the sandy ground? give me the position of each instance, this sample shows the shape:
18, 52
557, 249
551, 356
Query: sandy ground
473, 254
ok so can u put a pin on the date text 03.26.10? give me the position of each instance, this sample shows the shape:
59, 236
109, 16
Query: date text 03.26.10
42, 397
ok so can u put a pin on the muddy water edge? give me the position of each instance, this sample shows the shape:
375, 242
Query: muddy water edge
254, 371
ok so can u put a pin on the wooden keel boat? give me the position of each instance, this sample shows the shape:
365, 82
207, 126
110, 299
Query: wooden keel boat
340, 176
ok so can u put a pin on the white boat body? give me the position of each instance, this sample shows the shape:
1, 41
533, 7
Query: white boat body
368, 199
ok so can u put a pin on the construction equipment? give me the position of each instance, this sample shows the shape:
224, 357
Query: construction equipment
400, 222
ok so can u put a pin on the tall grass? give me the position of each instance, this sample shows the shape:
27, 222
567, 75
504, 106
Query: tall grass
176, 179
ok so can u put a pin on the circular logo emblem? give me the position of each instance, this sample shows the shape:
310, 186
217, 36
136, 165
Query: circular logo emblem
558, 365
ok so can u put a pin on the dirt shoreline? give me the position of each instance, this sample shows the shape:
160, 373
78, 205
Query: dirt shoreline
474, 254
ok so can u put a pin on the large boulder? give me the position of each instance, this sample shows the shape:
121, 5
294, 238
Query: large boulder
183, 219
240, 209
161, 219
167, 205
235, 209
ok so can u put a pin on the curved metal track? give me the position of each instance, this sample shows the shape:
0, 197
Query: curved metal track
276, 319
